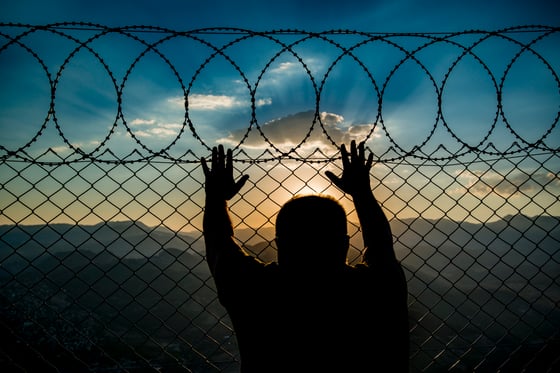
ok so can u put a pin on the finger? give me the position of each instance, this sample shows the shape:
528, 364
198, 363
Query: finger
353, 152
334, 179
204, 167
369, 161
361, 152
344, 156
240, 183
229, 162
214, 158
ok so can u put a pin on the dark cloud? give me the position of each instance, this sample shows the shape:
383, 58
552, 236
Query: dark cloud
291, 130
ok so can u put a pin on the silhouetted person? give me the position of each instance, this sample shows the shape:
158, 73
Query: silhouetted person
311, 312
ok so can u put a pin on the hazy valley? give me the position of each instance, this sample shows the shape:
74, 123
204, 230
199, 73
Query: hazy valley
88, 289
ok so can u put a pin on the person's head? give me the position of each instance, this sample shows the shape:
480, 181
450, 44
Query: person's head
311, 232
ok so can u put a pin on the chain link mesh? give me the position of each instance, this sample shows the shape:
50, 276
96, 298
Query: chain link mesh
101, 252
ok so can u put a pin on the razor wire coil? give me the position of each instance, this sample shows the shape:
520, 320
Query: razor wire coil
426, 40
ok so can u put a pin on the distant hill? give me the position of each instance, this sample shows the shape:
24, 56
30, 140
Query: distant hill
536, 238
125, 239
515, 244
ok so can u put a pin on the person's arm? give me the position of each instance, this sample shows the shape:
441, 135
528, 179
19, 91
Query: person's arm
378, 239
379, 255
217, 227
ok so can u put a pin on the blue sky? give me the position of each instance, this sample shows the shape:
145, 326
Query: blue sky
219, 98
284, 84
377, 15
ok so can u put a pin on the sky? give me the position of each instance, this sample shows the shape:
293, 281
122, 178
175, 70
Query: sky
377, 15
284, 82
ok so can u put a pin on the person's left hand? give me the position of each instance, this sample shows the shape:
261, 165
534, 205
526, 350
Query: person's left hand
355, 170
219, 180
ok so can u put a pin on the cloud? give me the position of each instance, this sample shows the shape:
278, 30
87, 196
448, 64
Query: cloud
85, 146
140, 122
153, 128
263, 102
210, 102
291, 130
280, 72
286, 68
483, 183
296, 67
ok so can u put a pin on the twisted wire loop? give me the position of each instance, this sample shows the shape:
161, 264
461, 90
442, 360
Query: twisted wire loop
101, 250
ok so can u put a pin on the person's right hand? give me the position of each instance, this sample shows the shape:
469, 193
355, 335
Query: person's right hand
355, 170
220, 184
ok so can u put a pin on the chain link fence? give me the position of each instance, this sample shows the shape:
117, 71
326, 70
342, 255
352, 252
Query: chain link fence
101, 251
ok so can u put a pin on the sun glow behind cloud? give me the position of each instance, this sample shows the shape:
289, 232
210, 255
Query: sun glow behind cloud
305, 129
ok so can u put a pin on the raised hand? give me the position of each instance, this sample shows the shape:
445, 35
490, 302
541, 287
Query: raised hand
219, 179
355, 170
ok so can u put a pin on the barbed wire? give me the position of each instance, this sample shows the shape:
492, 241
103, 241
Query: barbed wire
346, 49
